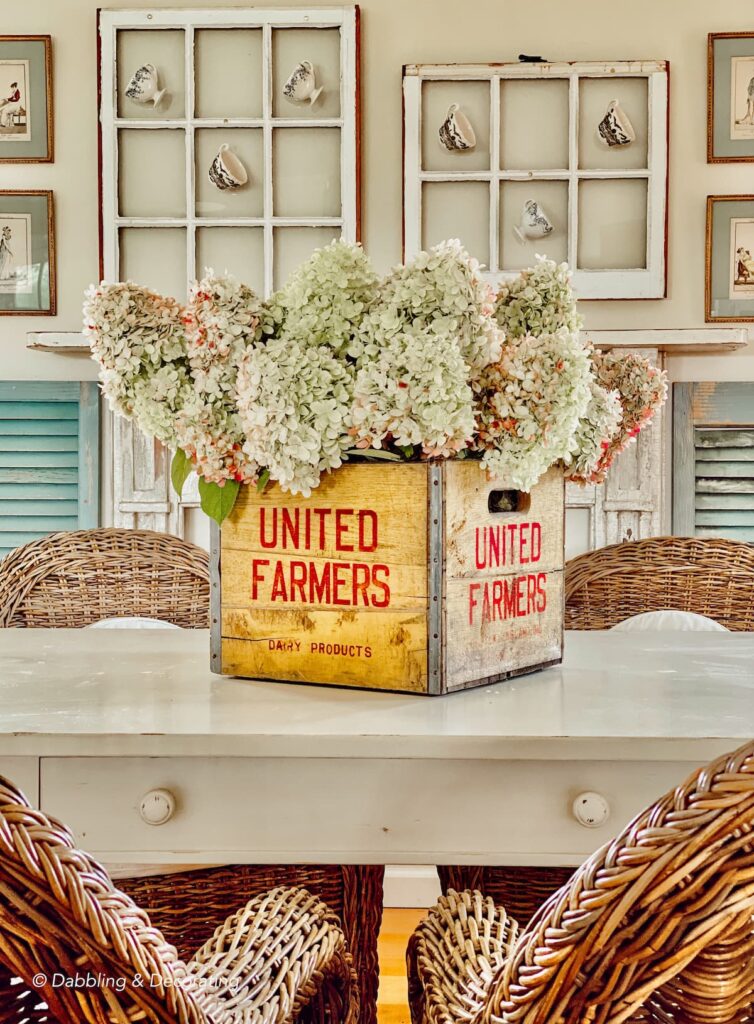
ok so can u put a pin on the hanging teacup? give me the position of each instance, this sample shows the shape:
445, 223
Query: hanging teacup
615, 128
534, 222
302, 84
226, 170
456, 131
144, 86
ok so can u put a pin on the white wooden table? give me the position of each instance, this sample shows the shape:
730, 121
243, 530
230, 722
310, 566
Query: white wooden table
90, 721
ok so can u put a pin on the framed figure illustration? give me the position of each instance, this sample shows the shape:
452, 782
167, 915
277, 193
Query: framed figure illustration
729, 278
26, 122
27, 254
730, 97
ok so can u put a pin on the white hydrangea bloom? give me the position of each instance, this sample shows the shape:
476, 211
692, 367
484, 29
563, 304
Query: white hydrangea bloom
139, 339
595, 431
531, 405
294, 402
538, 301
415, 392
325, 300
441, 292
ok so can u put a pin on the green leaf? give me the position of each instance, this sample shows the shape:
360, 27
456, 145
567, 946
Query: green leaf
218, 501
264, 479
180, 470
407, 449
374, 453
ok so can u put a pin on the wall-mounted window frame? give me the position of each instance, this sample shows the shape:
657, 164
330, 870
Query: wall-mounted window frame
648, 282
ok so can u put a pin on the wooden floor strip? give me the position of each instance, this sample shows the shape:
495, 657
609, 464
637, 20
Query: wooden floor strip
397, 925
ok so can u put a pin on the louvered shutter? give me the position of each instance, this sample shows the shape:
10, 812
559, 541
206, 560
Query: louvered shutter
49, 459
724, 483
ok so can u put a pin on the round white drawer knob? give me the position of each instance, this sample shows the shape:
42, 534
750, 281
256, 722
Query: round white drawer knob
591, 809
157, 806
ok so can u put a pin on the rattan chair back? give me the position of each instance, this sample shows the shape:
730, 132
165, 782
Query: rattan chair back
67, 580
711, 577
657, 923
61, 916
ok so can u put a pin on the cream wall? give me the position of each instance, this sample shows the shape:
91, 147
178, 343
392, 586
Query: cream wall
395, 32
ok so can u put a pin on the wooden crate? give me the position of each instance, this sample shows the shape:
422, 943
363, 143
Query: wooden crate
391, 577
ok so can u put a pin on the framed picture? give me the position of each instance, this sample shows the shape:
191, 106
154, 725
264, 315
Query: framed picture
729, 280
27, 254
26, 128
730, 97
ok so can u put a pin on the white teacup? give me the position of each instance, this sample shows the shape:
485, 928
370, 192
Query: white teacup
144, 86
226, 171
534, 222
302, 84
615, 128
456, 132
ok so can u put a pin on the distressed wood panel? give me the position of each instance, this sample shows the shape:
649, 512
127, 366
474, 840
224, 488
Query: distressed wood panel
704, 438
723, 469
729, 485
729, 501
485, 543
723, 455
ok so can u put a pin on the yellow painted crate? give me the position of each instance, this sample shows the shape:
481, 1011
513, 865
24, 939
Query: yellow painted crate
401, 576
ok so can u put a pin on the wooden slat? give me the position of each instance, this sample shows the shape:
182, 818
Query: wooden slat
53, 518
724, 501
726, 517
29, 428
39, 391
14, 538
745, 533
44, 460
39, 475
711, 485
705, 438
35, 443
38, 411
45, 492
724, 455
724, 469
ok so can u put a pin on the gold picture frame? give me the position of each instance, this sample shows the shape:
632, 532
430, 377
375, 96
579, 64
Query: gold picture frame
27, 253
729, 263
730, 92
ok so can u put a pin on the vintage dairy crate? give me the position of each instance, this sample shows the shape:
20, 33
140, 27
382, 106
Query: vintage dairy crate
404, 576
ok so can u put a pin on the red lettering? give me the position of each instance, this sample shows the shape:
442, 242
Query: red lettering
531, 594
290, 527
341, 529
497, 599
339, 582
367, 516
384, 601
486, 603
257, 577
278, 584
472, 601
262, 539
536, 542
509, 598
298, 580
319, 589
541, 591
523, 540
480, 560
520, 596
361, 578
493, 539
322, 513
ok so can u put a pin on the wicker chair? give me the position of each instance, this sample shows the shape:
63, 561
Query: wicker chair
73, 579
657, 926
708, 576
69, 939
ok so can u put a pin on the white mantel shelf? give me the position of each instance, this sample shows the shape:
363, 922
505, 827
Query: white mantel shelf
681, 340
675, 341
262, 772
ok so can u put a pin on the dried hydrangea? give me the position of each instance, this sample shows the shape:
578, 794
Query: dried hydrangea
642, 389
325, 300
595, 432
414, 394
440, 292
539, 301
531, 404
223, 319
294, 402
139, 339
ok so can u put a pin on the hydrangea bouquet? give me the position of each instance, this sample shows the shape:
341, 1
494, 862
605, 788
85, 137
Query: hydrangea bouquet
426, 363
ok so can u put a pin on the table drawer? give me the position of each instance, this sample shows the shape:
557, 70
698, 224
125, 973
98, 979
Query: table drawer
23, 773
347, 810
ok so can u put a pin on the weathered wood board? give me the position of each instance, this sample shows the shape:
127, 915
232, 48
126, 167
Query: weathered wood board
392, 577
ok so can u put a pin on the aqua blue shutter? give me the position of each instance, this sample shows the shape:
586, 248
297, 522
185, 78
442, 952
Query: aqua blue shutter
49, 459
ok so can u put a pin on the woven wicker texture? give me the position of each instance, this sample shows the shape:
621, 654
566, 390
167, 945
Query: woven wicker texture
694, 574
280, 958
67, 580
656, 926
